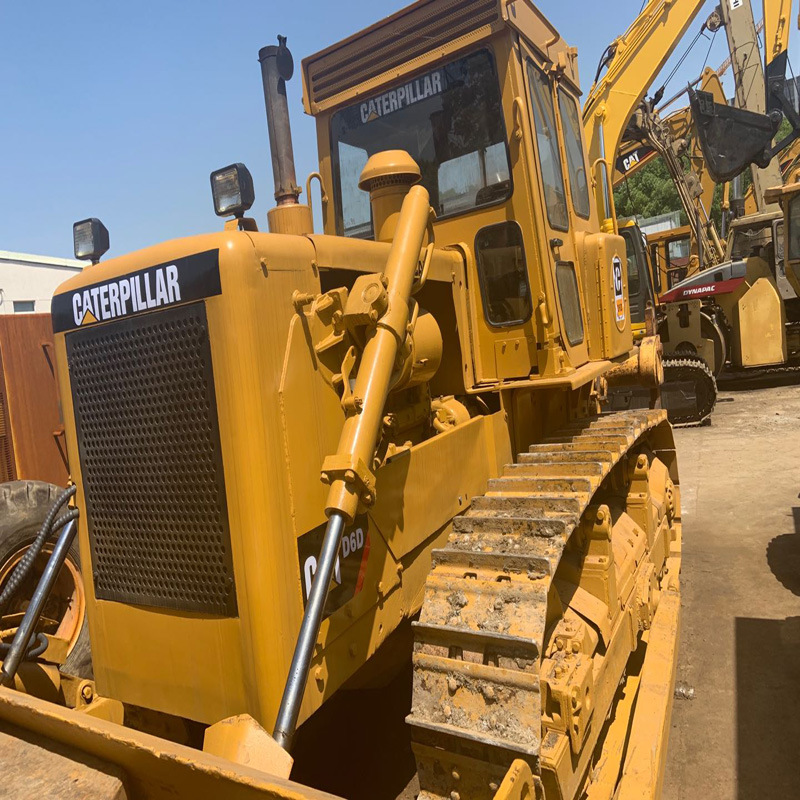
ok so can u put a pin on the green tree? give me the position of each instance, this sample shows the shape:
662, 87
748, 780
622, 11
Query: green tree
648, 193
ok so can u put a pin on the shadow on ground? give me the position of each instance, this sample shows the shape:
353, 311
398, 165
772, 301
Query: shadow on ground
767, 702
358, 744
757, 379
783, 557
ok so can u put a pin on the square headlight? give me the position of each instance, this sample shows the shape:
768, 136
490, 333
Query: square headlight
232, 188
90, 239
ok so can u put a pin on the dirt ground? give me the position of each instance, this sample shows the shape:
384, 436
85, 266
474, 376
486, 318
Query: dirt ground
739, 737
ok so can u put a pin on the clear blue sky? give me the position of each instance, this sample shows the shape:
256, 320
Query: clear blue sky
121, 110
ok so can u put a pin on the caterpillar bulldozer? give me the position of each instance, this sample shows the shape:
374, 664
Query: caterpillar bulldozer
302, 460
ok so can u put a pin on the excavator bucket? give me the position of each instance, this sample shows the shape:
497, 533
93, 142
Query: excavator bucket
731, 138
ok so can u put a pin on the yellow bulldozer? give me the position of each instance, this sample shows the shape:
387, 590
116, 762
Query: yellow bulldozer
304, 461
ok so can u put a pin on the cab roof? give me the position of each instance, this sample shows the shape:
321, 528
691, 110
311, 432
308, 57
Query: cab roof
418, 36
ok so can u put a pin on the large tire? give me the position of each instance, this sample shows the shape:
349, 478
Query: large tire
23, 508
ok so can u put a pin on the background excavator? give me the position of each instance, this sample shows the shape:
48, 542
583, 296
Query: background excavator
728, 321
615, 108
307, 463
750, 293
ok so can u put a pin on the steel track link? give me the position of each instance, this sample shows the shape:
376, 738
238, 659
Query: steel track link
478, 643
680, 367
755, 374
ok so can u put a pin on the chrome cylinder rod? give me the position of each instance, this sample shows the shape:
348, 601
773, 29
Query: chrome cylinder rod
286, 722
27, 626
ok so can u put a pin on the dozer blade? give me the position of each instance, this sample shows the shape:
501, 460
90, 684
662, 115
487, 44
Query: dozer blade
50, 751
731, 138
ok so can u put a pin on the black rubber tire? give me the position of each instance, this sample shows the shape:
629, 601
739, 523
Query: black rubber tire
23, 508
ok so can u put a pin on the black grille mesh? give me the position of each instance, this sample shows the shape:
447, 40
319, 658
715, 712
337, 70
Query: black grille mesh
148, 440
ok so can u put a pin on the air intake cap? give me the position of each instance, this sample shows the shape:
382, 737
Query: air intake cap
389, 168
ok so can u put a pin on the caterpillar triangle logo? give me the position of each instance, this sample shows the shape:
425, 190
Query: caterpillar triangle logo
88, 318
372, 116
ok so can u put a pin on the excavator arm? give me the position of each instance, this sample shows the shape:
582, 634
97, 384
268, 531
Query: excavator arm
634, 61
776, 49
614, 111
634, 154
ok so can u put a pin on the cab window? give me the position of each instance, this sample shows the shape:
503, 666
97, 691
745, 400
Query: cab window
503, 275
544, 119
794, 228
449, 120
576, 164
634, 281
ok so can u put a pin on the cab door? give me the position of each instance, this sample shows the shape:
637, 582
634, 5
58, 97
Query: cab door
554, 117
640, 290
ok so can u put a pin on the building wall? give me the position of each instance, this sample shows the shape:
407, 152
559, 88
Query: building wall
663, 222
27, 279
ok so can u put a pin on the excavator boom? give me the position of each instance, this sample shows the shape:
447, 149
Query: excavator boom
613, 111
634, 61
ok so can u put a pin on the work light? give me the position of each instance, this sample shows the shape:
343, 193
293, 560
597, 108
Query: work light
90, 239
233, 191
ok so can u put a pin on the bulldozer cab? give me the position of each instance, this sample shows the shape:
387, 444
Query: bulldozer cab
490, 112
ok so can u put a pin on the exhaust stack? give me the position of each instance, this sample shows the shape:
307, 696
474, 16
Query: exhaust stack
289, 216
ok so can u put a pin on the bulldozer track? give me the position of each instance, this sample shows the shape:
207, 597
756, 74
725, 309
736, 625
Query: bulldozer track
690, 367
476, 696
758, 373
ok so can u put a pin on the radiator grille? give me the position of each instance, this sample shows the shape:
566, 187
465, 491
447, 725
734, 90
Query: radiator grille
148, 441
395, 42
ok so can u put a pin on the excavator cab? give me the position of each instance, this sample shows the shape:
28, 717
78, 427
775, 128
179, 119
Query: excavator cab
786, 233
642, 280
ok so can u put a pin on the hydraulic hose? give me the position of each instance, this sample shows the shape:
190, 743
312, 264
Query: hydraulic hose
25, 631
34, 650
26, 562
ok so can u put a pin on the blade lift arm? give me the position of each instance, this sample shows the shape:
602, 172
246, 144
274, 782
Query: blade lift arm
350, 470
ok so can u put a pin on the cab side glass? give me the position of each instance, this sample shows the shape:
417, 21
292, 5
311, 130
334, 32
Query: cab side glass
503, 274
570, 301
576, 164
794, 228
544, 118
778, 241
